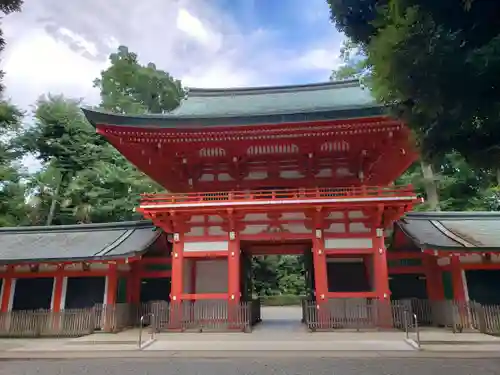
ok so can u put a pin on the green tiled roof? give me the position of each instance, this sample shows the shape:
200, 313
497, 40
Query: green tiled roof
75, 242
246, 106
453, 230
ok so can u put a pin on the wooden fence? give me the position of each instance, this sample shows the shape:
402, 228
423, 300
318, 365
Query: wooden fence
211, 315
45, 323
369, 314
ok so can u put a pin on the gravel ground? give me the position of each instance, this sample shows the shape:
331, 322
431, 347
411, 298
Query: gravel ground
244, 366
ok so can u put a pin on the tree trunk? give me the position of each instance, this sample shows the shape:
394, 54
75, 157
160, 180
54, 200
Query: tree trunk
53, 204
498, 176
431, 190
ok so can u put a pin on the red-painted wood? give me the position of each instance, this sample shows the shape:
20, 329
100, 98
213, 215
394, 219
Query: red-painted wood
233, 263
206, 254
457, 280
112, 285
58, 289
381, 273
6, 292
177, 268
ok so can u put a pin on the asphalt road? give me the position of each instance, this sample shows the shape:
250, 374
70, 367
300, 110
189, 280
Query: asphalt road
243, 366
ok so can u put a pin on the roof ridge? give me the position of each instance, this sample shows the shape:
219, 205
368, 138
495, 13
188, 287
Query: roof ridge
451, 234
78, 227
201, 92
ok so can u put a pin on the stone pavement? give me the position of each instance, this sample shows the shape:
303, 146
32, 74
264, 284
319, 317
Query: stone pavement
252, 366
280, 332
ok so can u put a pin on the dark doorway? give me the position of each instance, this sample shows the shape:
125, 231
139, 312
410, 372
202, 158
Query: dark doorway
33, 294
83, 292
157, 289
407, 286
483, 286
347, 276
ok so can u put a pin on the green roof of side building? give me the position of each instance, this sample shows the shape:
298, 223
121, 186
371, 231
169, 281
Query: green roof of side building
457, 231
75, 242
252, 106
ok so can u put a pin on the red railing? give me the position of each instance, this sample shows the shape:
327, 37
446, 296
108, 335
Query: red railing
278, 195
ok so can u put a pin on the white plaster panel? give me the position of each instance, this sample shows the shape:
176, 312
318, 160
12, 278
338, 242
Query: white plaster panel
296, 228
224, 177
74, 267
207, 177
473, 258
343, 172
195, 232
293, 215
206, 246
98, 266
443, 261
197, 219
256, 175
348, 243
47, 267
215, 219
335, 228
335, 215
355, 214
251, 217
495, 258
3, 268
290, 175
216, 231
358, 228
325, 172
23, 268
255, 229
211, 276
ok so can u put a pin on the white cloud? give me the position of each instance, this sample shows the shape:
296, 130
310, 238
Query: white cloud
61, 46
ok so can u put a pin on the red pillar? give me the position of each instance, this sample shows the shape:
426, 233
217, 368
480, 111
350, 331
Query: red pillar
320, 277
6, 294
58, 291
176, 289
233, 263
380, 268
434, 278
134, 284
457, 279
381, 280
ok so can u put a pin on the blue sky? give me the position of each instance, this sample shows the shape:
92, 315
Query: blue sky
61, 46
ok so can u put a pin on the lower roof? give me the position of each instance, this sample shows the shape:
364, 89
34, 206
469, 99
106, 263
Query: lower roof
76, 242
476, 230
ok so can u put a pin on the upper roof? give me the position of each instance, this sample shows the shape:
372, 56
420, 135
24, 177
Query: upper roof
262, 105
452, 230
75, 242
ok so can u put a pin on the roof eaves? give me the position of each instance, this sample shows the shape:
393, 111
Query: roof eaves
79, 227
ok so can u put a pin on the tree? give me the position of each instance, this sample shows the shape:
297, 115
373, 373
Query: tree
129, 87
13, 210
436, 65
62, 139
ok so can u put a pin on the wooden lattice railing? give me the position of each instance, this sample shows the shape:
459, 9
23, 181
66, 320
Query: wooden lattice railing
281, 195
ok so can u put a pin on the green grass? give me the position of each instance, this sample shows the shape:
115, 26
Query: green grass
280, 300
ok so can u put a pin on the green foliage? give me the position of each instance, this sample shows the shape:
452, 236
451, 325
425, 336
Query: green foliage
128, 87
435, 63
278, 275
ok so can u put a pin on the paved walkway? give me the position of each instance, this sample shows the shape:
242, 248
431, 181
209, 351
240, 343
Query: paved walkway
280, 331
